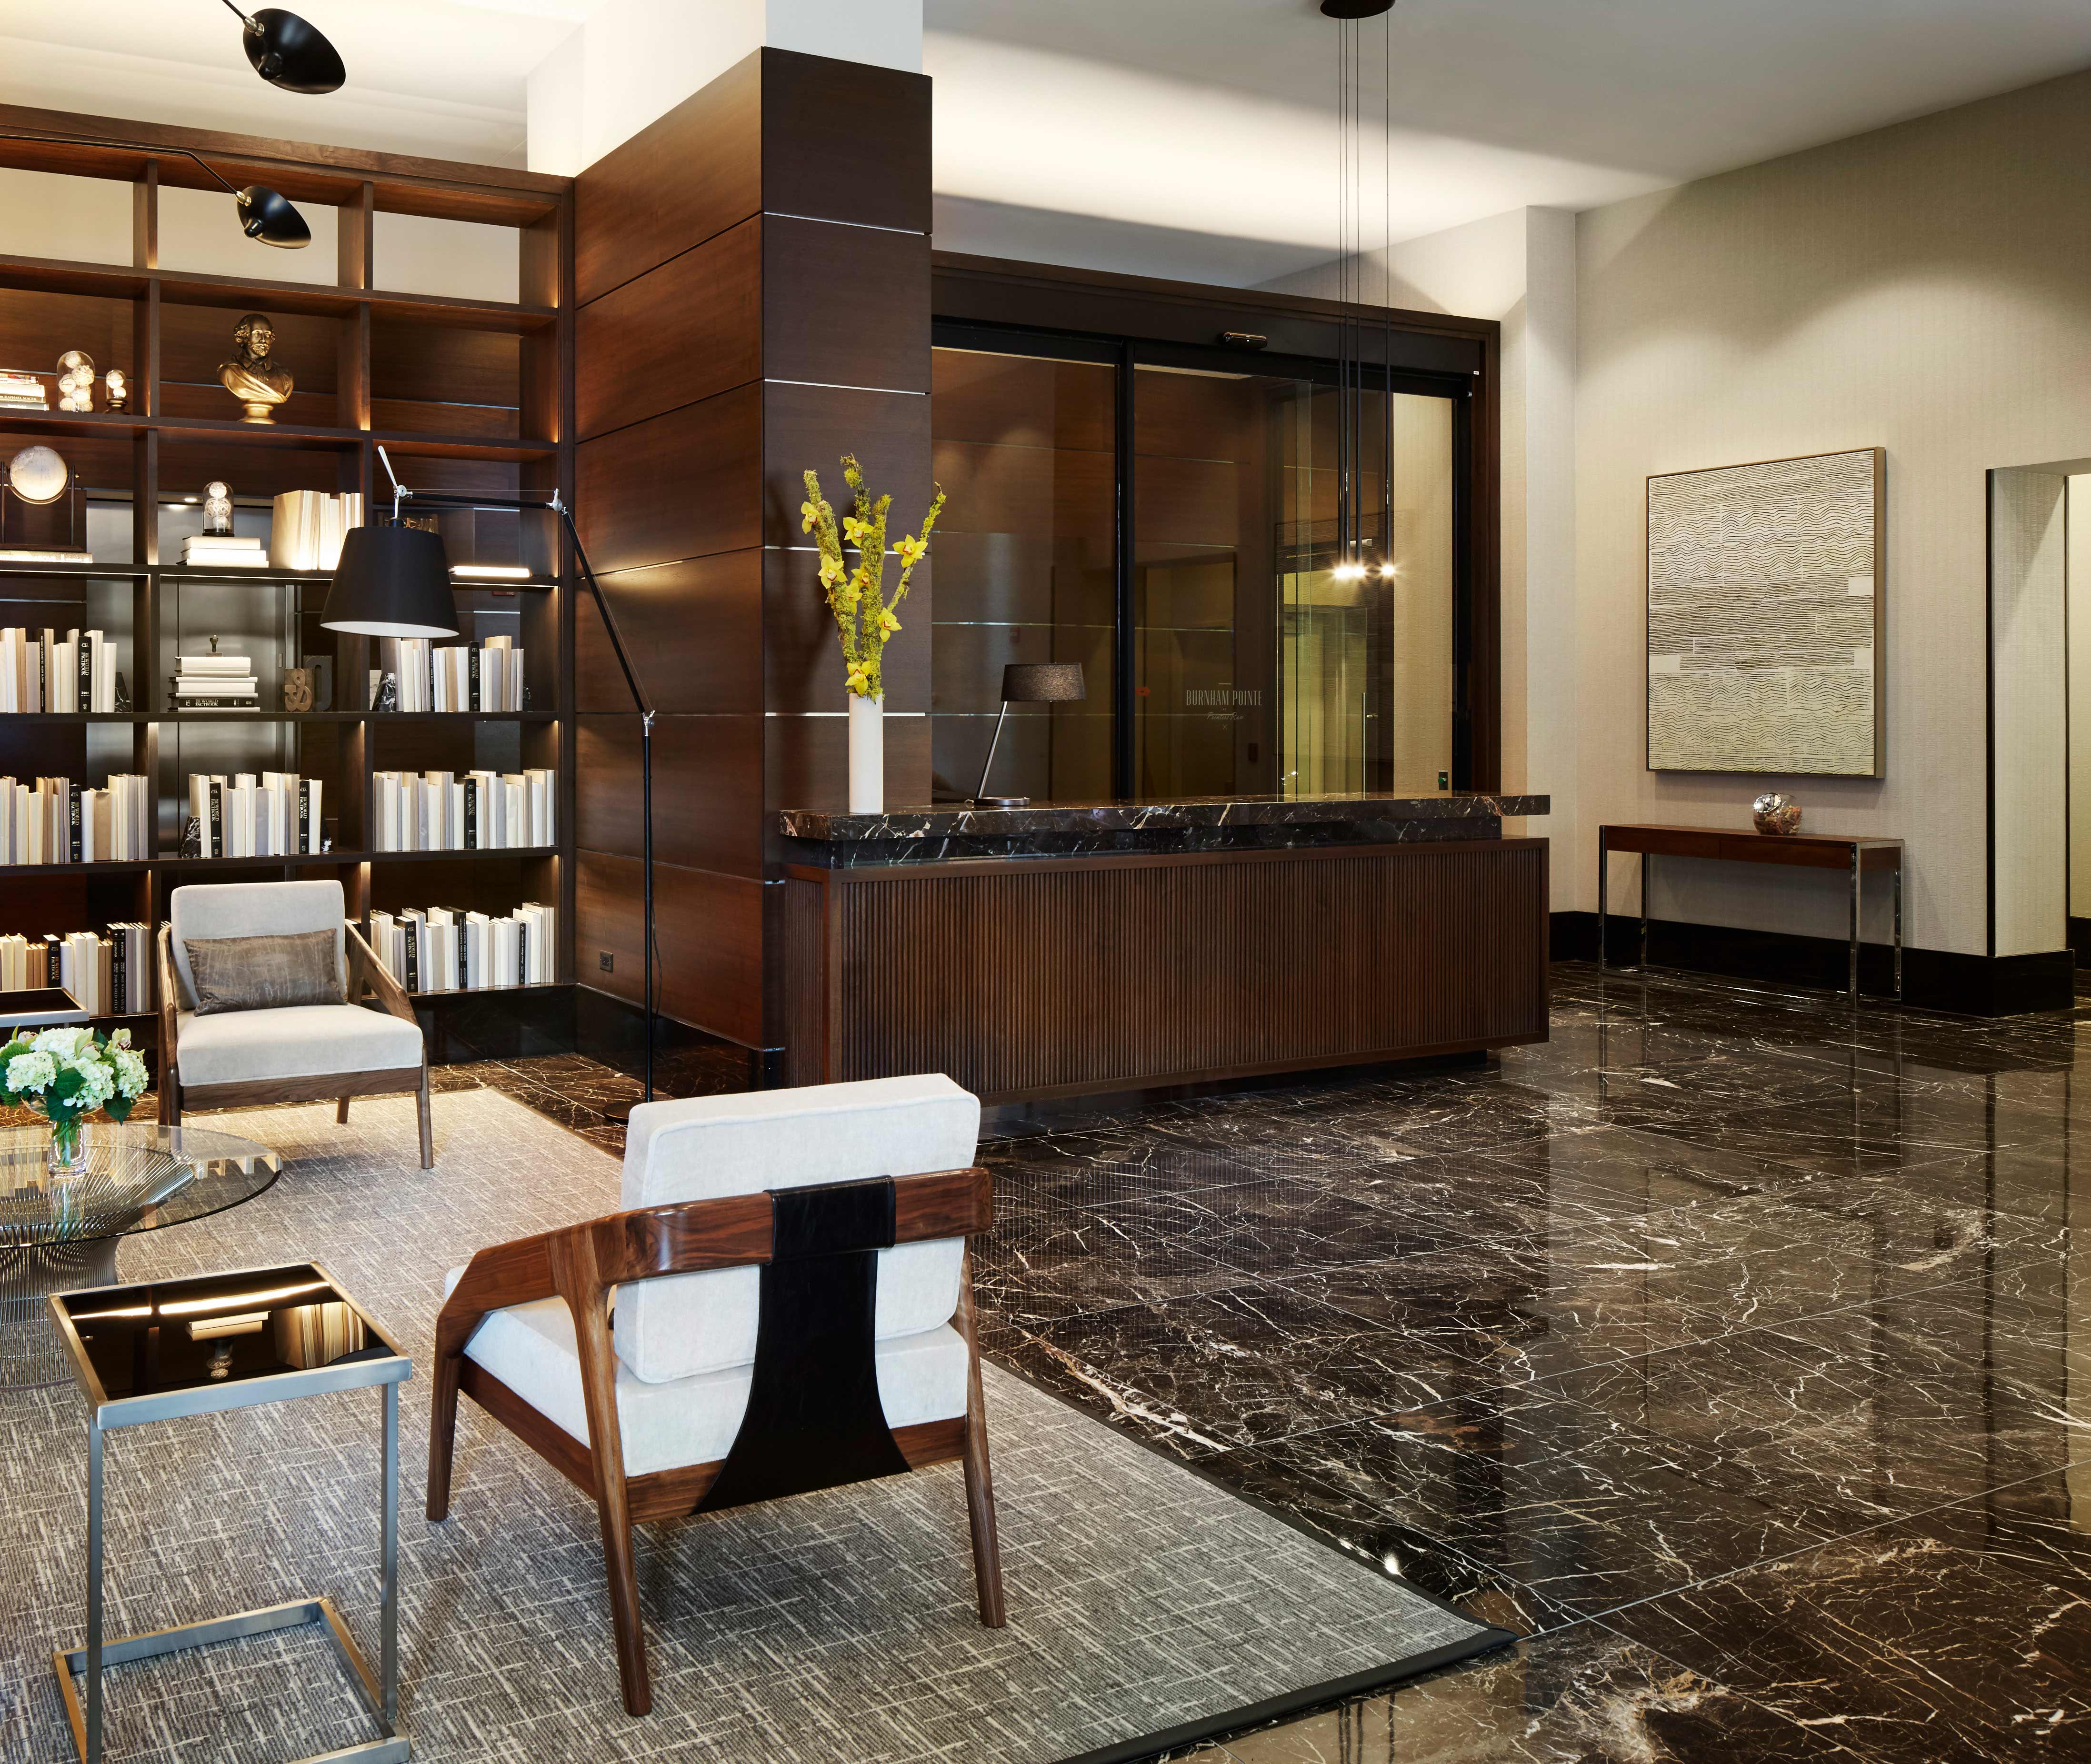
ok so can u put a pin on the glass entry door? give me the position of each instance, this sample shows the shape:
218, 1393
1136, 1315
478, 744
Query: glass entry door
1169, 520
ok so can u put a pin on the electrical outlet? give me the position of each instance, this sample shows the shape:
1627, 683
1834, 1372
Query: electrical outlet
1444, 780
607, 961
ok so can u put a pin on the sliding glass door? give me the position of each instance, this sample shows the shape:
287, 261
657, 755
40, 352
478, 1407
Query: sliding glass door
1170, 520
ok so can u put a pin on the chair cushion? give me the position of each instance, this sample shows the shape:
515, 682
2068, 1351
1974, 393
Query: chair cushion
263, 973
251, 909
302, 1041
698, 1148
665, 1426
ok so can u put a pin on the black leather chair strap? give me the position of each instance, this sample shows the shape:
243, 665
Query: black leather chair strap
814, 1419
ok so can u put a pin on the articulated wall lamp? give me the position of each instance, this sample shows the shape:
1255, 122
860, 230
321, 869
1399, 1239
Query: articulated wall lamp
265, 214
287, 51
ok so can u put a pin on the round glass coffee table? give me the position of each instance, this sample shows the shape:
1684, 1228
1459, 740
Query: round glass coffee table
59, 1234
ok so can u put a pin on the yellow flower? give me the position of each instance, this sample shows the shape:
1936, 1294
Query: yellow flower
854, 530
888, 624
847, 598
910, 552
831, 572
811, 514
860, 682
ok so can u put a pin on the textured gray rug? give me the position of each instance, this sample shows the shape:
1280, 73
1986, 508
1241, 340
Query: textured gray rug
832, 1627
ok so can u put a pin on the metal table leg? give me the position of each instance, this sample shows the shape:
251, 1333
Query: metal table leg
1856, 874
93, 1750
388, 1631
1898, 932
1647, 881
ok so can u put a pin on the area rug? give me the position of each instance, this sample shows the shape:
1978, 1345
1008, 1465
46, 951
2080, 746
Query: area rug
1147, 1607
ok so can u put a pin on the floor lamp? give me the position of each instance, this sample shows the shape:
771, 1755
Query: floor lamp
395, 582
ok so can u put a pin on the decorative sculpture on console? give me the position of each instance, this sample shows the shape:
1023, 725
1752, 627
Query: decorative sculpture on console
251, 376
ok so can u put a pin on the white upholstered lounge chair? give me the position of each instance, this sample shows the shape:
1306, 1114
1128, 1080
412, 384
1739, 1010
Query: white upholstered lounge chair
306, 1053
794, 1311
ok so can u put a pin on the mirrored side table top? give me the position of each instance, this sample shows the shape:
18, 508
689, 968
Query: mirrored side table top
60, 1233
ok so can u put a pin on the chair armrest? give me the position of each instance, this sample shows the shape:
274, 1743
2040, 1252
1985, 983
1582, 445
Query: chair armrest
365, 969
169, 1005
517, 1273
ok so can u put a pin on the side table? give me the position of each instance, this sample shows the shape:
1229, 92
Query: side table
1800, 850
160, 1350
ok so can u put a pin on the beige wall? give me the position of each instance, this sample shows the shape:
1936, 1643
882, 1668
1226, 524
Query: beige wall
1926, 288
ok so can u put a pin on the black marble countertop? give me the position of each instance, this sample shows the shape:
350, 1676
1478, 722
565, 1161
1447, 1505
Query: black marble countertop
948, 831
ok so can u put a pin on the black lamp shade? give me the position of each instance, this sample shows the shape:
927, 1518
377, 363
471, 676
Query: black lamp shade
1042, 682
287, 51
268, 216
392, 582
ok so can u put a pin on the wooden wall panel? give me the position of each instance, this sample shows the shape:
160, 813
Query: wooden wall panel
815, 426
686, 330
683, 177
845, 305
809, 763
842, 141
1030, 977
710, 929
718, 827
802, 650
690, 629
687, 485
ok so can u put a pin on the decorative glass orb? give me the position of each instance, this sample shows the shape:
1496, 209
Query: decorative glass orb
37, 475
75, 361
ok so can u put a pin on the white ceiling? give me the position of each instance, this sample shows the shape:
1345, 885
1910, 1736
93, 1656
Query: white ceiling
1197, 131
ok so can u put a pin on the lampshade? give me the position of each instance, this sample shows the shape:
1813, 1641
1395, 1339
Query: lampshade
392, 582
1042, 682
287, 51
266, 215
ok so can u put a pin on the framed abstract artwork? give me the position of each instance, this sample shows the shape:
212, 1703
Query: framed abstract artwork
1767, 617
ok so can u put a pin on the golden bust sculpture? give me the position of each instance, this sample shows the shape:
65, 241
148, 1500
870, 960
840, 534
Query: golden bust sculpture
250, 377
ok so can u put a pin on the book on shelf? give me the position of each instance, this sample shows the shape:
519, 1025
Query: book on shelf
41, 672
483, 811
442, 949
216, 682
268, 814
309, 526
223, 551
109, 973
59, 822
486, 677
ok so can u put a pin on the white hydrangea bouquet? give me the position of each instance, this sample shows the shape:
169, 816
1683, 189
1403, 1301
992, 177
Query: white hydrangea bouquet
65, 1075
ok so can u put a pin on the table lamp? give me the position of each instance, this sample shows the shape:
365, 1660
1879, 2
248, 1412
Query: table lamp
1028, 683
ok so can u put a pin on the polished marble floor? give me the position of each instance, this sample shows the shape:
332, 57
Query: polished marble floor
1725, 1348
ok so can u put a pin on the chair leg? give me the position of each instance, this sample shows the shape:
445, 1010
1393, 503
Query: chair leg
621, 1570
428, 1129
170, 1100
980, 1484
442, 1432
341, 1114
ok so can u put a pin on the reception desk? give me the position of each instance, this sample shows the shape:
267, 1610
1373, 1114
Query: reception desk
1064, 948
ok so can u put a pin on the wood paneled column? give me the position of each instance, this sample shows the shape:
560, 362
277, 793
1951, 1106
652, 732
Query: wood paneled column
753, 275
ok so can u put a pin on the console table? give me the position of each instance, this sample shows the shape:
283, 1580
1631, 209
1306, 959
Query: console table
1802, 851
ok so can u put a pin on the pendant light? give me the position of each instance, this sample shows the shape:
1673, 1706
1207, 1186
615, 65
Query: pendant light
1355, 558
287, 51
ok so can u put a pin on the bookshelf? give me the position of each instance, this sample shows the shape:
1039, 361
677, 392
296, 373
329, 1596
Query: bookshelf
464, 394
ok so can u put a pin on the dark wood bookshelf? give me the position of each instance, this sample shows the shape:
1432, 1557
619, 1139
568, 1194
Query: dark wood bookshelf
464, 394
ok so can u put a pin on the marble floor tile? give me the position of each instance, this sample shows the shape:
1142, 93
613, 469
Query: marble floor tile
1582, 1695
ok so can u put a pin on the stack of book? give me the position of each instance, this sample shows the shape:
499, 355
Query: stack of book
310, 526
23, 392
215, 683
444, 949
39, 672
486, 676
275, 814
223, 551
480, 812
61, 822
109, 975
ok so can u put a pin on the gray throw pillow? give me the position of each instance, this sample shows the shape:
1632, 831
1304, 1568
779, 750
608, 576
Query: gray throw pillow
263, 973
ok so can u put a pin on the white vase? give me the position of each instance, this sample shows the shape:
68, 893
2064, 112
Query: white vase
867, 755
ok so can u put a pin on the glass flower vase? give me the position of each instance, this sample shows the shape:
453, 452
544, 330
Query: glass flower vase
68, 1153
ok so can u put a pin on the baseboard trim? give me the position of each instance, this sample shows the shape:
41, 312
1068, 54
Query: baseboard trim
1936, 980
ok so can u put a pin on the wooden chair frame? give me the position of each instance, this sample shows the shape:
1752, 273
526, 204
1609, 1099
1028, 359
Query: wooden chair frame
366, 976
581, 1265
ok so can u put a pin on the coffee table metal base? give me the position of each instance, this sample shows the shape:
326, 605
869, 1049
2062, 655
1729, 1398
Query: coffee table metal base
30, 1354
391, 1749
